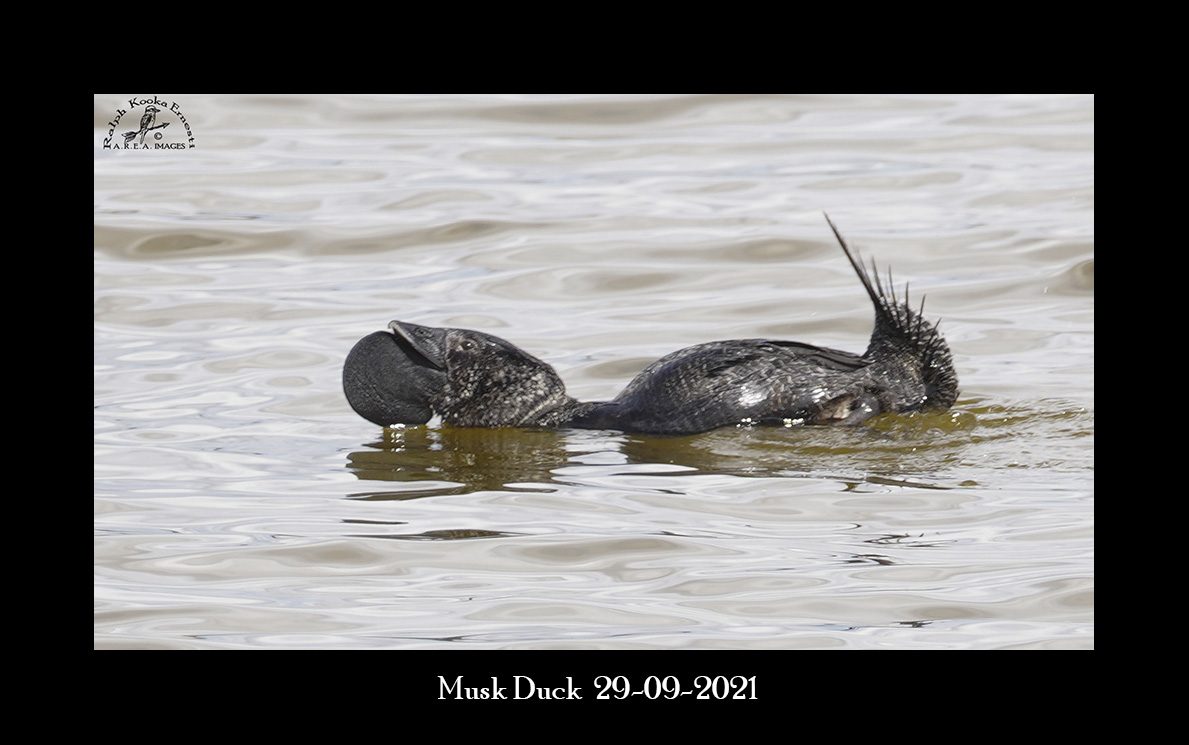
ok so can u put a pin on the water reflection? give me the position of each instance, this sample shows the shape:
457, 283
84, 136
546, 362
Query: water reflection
460, 461
848, 454
447, 460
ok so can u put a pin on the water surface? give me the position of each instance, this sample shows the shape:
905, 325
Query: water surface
240, 503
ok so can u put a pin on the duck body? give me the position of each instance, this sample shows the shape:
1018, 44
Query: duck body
474, 379
743, 381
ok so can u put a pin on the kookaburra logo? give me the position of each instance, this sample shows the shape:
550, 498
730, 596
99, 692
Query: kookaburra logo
146, 126
155, 116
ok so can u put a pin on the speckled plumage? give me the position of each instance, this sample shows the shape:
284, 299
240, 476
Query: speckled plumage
492, 383
489, 382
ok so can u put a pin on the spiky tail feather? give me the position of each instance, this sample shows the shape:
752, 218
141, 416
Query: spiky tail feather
897, 325
892, 316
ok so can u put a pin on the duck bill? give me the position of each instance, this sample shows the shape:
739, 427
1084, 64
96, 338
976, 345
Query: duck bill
387, 381
427, 341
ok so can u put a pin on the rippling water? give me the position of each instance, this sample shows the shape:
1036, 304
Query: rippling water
240, 503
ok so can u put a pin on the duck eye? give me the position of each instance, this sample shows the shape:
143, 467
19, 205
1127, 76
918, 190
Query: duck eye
467, 344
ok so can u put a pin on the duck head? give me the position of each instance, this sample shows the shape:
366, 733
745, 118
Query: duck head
469, 378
